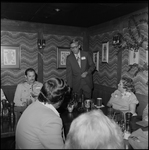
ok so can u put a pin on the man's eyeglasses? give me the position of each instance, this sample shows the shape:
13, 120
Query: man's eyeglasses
74, 47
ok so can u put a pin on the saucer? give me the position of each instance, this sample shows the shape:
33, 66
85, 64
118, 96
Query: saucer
99, 106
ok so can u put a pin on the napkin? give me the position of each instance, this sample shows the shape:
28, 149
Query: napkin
139, 139
142, 123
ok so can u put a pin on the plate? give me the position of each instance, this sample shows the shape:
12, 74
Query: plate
99, 106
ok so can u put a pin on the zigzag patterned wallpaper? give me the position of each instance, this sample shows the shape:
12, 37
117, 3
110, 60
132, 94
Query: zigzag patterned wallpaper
29, 55
107, 74
28, 47
142, 77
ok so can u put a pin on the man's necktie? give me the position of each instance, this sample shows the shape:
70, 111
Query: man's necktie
78, 60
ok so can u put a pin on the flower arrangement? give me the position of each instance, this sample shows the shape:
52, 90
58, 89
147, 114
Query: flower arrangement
136, 38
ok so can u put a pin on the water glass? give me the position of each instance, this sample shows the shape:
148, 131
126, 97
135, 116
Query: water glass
110, 112
99, 101
122, 125
70, 108
88, 103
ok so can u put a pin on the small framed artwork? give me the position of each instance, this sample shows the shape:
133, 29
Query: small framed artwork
62, 53
133, 57
105, 52
96, 60
10, 57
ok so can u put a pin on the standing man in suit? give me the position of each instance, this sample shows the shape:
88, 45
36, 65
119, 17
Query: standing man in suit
79, 68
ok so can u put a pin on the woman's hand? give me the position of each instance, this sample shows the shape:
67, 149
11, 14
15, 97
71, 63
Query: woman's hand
109, 104
132, 108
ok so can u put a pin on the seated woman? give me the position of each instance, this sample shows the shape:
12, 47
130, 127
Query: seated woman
124, 98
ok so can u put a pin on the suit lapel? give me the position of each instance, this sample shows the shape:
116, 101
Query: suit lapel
75, 61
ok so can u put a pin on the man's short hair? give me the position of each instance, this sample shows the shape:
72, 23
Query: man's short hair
53, 91
29, 70
75, 41
94, 130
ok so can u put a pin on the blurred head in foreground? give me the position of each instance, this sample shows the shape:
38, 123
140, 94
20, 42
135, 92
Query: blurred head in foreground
94, 130
53, 92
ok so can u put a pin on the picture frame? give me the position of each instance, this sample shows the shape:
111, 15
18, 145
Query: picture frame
62, 53
10, 57
96, 60
133, 57
105, 52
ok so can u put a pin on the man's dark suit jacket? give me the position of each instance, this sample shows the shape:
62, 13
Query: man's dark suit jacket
73, 70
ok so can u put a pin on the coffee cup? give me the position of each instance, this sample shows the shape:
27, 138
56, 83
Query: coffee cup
99, 102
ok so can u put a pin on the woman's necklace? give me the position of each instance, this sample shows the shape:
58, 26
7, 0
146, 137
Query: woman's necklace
125, 94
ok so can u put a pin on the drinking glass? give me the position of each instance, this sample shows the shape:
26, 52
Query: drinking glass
88, 104
70, 107
99, 101
122, 125
110, 112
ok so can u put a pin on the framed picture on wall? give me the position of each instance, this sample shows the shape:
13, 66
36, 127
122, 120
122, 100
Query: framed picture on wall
10, 57
96, 60
62, 53
133, 57
105, 52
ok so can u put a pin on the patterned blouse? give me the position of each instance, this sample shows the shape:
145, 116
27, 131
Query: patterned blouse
122, 101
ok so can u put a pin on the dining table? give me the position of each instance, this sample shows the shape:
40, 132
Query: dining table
8, 129
67, 118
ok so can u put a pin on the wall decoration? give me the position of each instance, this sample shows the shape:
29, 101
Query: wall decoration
136, 37
133, 57
96, 60
10, 57
105, 52
62, 53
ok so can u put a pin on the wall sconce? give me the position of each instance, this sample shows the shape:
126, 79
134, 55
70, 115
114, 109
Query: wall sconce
41, 43
117, 40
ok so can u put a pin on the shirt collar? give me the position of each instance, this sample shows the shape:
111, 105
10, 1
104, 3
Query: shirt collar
27, 84
51, 107
76, 55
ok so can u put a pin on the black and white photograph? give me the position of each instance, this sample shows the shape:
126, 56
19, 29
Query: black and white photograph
58, 59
